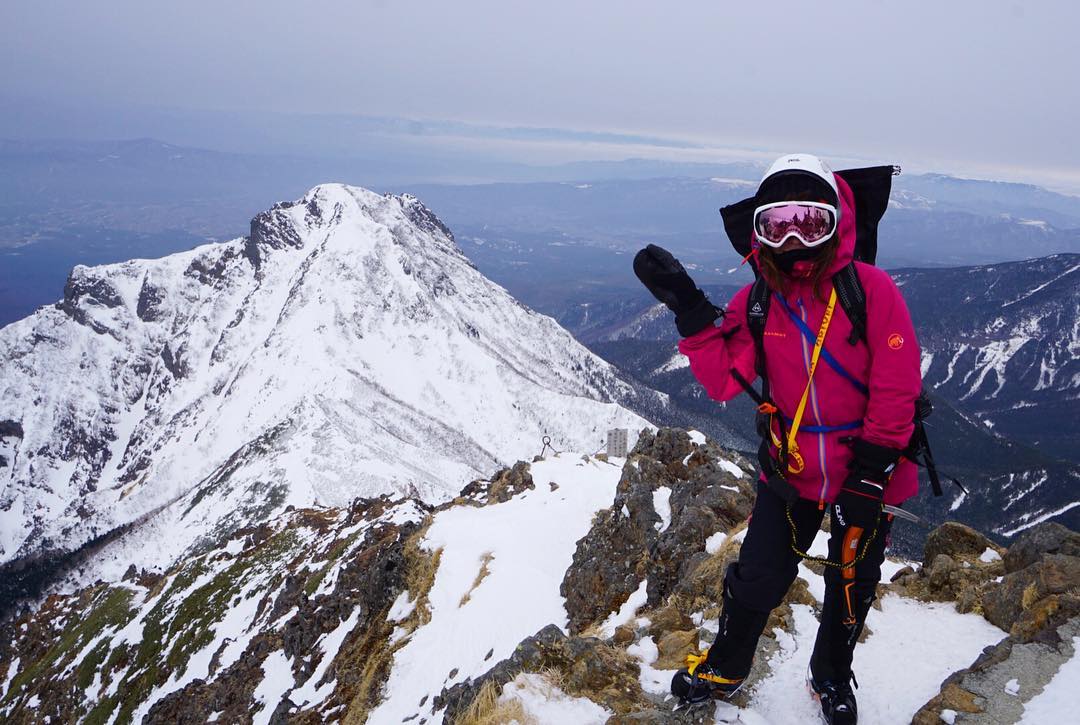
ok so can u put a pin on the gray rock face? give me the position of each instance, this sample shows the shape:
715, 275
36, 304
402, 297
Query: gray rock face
1046, 538
632, 540
981, 694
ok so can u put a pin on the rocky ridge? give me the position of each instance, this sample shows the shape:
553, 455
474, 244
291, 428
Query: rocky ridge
307, 618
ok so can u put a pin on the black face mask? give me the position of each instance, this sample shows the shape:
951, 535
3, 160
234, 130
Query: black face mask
786, 261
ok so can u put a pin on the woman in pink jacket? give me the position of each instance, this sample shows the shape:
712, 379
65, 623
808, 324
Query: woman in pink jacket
839, 416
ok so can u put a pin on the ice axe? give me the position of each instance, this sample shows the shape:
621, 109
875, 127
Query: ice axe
906, 515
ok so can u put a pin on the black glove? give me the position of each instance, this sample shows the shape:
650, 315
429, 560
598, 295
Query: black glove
859, 501
668, 281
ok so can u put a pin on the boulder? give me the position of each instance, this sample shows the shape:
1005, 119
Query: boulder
667, 445
956, 540
504, 485
941, 575
674, 647
1045, 538
1016, 603
583, 667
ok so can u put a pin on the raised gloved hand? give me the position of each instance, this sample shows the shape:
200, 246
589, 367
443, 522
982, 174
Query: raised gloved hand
668, 281
859, 501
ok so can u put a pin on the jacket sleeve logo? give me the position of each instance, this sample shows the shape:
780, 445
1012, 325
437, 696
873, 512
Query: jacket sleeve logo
896, 341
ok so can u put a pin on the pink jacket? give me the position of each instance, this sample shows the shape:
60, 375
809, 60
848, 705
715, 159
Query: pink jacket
888, 366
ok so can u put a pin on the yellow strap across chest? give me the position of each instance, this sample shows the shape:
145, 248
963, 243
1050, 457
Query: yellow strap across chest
818, 344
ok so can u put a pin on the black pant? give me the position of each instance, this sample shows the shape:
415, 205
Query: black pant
767, 565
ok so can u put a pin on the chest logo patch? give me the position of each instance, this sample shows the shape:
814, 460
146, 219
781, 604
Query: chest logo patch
896, 341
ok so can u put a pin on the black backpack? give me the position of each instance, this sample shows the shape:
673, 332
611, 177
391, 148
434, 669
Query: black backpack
871, 187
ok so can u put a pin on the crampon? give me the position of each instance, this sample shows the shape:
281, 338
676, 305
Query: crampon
698, 683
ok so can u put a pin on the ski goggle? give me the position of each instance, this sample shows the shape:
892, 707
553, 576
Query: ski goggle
811, 222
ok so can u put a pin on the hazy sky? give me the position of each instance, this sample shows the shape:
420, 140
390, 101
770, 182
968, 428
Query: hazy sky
957, 85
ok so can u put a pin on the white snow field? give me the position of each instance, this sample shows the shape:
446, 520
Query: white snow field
1057, 702
529, 543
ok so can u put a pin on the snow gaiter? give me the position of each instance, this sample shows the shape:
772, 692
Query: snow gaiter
732, 652
757, 582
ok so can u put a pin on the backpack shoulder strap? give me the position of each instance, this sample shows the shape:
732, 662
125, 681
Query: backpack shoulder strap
852, 298
757, 314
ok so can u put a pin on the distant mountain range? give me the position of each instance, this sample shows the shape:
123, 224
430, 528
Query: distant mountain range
1000, 349
550, 233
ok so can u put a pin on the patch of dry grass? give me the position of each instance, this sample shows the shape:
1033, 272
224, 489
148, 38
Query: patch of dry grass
373, 654
486, 709
481, 575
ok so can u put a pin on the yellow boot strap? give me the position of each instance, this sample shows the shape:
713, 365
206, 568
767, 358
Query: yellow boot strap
692, 662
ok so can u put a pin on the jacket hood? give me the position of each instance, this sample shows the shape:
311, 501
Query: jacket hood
845, 233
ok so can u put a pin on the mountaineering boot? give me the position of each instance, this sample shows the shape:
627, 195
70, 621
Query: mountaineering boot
837, 700
699, 682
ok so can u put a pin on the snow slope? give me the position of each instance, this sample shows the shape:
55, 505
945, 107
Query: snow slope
478, 621
345, 348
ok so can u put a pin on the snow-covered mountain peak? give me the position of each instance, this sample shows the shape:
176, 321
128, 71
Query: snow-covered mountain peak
346, 347
338, 206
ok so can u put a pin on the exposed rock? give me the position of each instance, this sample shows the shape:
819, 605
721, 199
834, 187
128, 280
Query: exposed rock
667, 445
954, 569
229, 694
711, 499
979, 694
270, 229
1017, 605
509, 482
504, 485
585, 666
83, 288
69, 642
673, 648
941, 570
701, 587
1045, 538
11, 429
955, 540
631, 541
610, 561
151, 304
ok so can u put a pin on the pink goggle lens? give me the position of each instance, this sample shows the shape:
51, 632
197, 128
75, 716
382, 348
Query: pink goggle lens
813, 224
